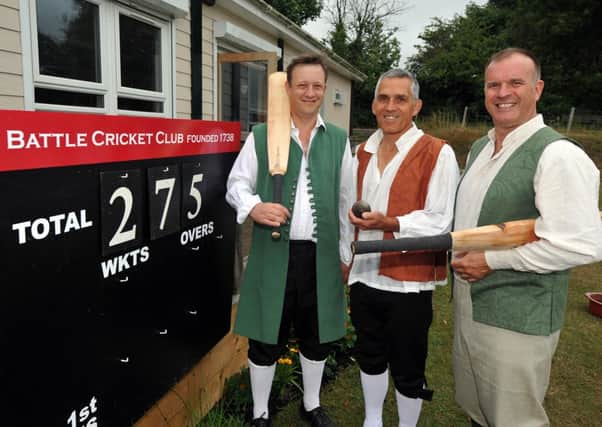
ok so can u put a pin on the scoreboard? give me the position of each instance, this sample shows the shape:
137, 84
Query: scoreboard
116, 261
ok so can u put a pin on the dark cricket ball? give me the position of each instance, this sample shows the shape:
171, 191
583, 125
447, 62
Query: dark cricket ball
360, 207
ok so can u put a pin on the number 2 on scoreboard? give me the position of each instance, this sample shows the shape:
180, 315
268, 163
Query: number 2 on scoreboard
120, 210
121, 235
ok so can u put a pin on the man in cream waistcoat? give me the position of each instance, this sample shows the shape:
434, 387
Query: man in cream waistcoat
410, 179
297, 280
509, 304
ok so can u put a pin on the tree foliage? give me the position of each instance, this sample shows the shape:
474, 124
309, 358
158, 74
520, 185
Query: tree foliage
298, 11
360, 34
449, 66
565, 36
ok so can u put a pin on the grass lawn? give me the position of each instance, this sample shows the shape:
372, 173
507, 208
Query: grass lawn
574, 397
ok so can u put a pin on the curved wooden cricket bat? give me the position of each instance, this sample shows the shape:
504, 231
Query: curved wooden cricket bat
279, 135
487, 237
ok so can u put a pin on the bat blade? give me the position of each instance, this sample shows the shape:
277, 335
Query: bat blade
487, 237
279, 135
279, 124
490, 237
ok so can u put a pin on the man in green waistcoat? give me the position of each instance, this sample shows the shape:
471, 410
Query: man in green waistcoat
297, 280
509, 304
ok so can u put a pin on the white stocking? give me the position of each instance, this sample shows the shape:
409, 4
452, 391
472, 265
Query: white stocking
312, 380
261, 385
408, 410
374, 388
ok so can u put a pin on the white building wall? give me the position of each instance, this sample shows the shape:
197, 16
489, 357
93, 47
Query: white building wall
11, 64
335, 113
11, 70
183, 70
11, 61
211, 15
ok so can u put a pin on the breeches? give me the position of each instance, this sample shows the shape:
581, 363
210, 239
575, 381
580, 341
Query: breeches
300, 310
501, 376
392, 331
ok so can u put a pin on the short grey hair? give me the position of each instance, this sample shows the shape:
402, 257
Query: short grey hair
398, 73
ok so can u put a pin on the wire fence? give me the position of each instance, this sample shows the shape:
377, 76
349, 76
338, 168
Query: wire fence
574, 119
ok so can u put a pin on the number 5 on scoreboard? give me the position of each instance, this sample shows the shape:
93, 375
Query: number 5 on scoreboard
194, 181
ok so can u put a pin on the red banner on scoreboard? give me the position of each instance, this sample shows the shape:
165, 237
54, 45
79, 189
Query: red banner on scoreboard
34, 140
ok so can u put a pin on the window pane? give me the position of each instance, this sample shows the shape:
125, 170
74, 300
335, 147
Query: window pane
244, 93
63, 97
258, 92
140, 53
68, 39
230, 100
139, 105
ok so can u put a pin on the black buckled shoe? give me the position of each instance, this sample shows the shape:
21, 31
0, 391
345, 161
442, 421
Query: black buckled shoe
261, 422
316, 417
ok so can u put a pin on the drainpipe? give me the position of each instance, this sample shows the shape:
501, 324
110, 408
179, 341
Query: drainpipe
280, 66
196, 55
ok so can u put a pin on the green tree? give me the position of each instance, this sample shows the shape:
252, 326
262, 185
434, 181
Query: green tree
361, 35
567, 38
298, 11
565, 35
449, 66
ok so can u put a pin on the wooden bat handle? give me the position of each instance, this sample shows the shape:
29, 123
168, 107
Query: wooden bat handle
442, 242
277, 198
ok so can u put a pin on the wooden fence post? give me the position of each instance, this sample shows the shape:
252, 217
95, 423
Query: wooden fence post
571, 117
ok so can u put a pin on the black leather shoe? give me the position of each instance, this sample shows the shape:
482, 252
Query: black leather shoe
261, 422
316, 417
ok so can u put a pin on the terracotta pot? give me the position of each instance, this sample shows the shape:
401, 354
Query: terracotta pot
595, 303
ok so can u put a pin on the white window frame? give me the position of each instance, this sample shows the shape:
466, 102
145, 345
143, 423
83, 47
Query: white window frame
110, 86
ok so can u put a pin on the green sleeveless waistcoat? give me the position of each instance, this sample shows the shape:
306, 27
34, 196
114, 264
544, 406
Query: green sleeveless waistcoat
525, 302
264, 281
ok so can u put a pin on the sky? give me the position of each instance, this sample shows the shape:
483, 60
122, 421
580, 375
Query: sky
411, 22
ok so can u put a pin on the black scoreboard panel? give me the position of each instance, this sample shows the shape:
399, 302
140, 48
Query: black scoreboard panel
116, 280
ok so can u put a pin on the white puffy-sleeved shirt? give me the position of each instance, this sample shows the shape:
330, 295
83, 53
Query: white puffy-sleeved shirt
241, 191
566, 185
435, 218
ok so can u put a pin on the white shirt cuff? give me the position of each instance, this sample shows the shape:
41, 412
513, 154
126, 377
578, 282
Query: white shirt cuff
499, 260
246, 207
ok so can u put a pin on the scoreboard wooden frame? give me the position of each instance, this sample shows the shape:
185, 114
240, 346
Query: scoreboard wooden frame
116, 258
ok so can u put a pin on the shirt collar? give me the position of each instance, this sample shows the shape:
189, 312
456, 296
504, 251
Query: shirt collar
409, 136
319, 123
521, 133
